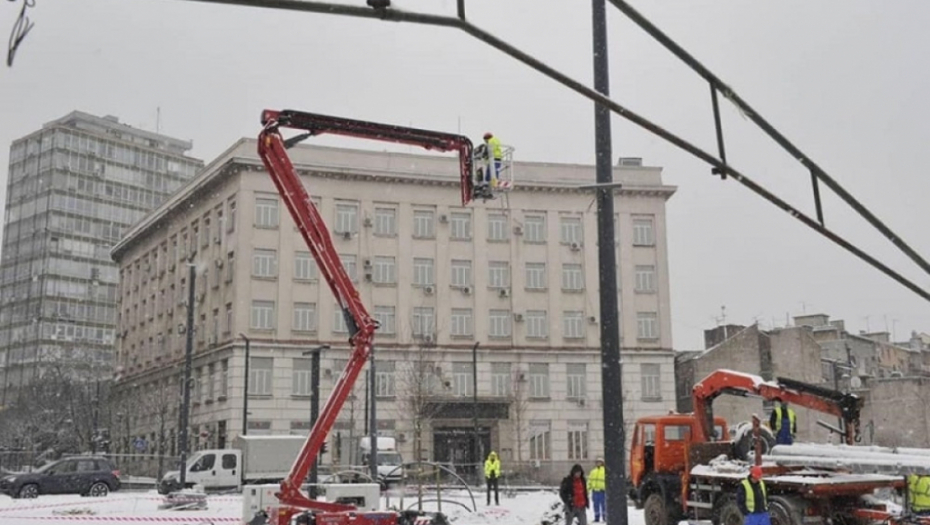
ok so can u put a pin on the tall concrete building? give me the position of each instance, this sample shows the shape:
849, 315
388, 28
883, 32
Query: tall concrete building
74, 188
517, 275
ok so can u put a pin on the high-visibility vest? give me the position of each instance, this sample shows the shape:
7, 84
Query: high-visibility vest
751, 496
792, 420
597, 479
496, 150
918, 492
492, 466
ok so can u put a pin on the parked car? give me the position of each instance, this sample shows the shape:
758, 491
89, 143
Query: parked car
84, 475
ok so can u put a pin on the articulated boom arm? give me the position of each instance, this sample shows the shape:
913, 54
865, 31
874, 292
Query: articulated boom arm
272, 150
845, 406
314, 124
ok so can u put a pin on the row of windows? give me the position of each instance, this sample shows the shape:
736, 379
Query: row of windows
461, 321
383, 270
392, 379
384, 223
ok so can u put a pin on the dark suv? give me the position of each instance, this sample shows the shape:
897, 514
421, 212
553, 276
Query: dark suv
84, 475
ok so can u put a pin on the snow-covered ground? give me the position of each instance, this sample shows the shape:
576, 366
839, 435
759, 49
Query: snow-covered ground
142, 507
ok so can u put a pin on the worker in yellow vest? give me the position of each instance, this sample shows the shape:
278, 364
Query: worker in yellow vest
752, 499
597, 484
918, 494
496, 151
783, 422
492, 473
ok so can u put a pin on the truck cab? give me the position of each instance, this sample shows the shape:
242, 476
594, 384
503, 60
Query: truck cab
390, 462
658, 453
211, 469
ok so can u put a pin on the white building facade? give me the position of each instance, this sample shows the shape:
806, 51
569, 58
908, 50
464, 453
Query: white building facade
517, 274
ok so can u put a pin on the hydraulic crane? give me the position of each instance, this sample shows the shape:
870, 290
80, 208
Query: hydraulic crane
272, 148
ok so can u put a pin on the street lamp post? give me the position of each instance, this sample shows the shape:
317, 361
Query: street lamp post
245, 391
314, 408
476, 450
188, 357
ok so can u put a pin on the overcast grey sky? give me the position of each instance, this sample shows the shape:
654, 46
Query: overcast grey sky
846, 80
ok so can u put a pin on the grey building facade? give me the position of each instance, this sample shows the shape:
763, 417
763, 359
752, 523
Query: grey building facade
74, 187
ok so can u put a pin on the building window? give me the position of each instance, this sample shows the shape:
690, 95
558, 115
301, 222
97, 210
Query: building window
339, 321
647, 325
350, 264
577, 440
262, 315
424, 321
423, 272
264, 263
385, 222
570, 231
224, 378
205, 233
498, 274
539, 380
385, 270
501, 380
536, 276
305, 317
424, 224
534, 229
462, 379
499, 323
572, 277
229, 318
260, 374
230, 266
304, 267
576, 381
384, 379
266, 212
645, 279
649, 375
231, 216
497, 227
537, 324
573, 325
540, 440
385, 317
643, 231
461, 322
346, 218
300, 377
461, 273
461, 227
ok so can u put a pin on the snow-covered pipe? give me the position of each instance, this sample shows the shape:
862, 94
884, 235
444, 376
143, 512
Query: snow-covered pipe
816, 449
895, 464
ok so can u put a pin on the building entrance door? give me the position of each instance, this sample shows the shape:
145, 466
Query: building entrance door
456, 446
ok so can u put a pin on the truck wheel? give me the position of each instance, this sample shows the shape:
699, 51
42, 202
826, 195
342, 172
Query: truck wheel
656, 510
744, 447
783, 512
726, 512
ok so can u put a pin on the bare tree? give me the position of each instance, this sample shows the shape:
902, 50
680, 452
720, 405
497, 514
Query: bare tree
417, 385
519, 404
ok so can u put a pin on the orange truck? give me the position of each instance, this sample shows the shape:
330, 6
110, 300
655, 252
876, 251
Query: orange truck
686, 466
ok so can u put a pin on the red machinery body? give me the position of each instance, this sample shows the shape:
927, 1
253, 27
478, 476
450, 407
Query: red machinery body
272, 148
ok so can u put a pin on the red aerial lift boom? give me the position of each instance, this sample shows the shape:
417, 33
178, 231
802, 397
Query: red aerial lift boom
272, 148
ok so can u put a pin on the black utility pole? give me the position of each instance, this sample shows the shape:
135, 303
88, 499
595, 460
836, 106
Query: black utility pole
95, 436
476, 449
611, 373
314, 409
373, 419
245, 391
188, 355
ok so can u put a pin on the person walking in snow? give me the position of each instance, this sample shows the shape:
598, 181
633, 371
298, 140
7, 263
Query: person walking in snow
783, 422
597, 484
752, 499
492, 474
574, 494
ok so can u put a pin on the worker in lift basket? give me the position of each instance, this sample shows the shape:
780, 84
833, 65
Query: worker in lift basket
783, 422
497, 152
752, 499
918, 494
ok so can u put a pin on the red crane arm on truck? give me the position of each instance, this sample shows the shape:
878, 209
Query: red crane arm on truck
272, 148
845, 406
